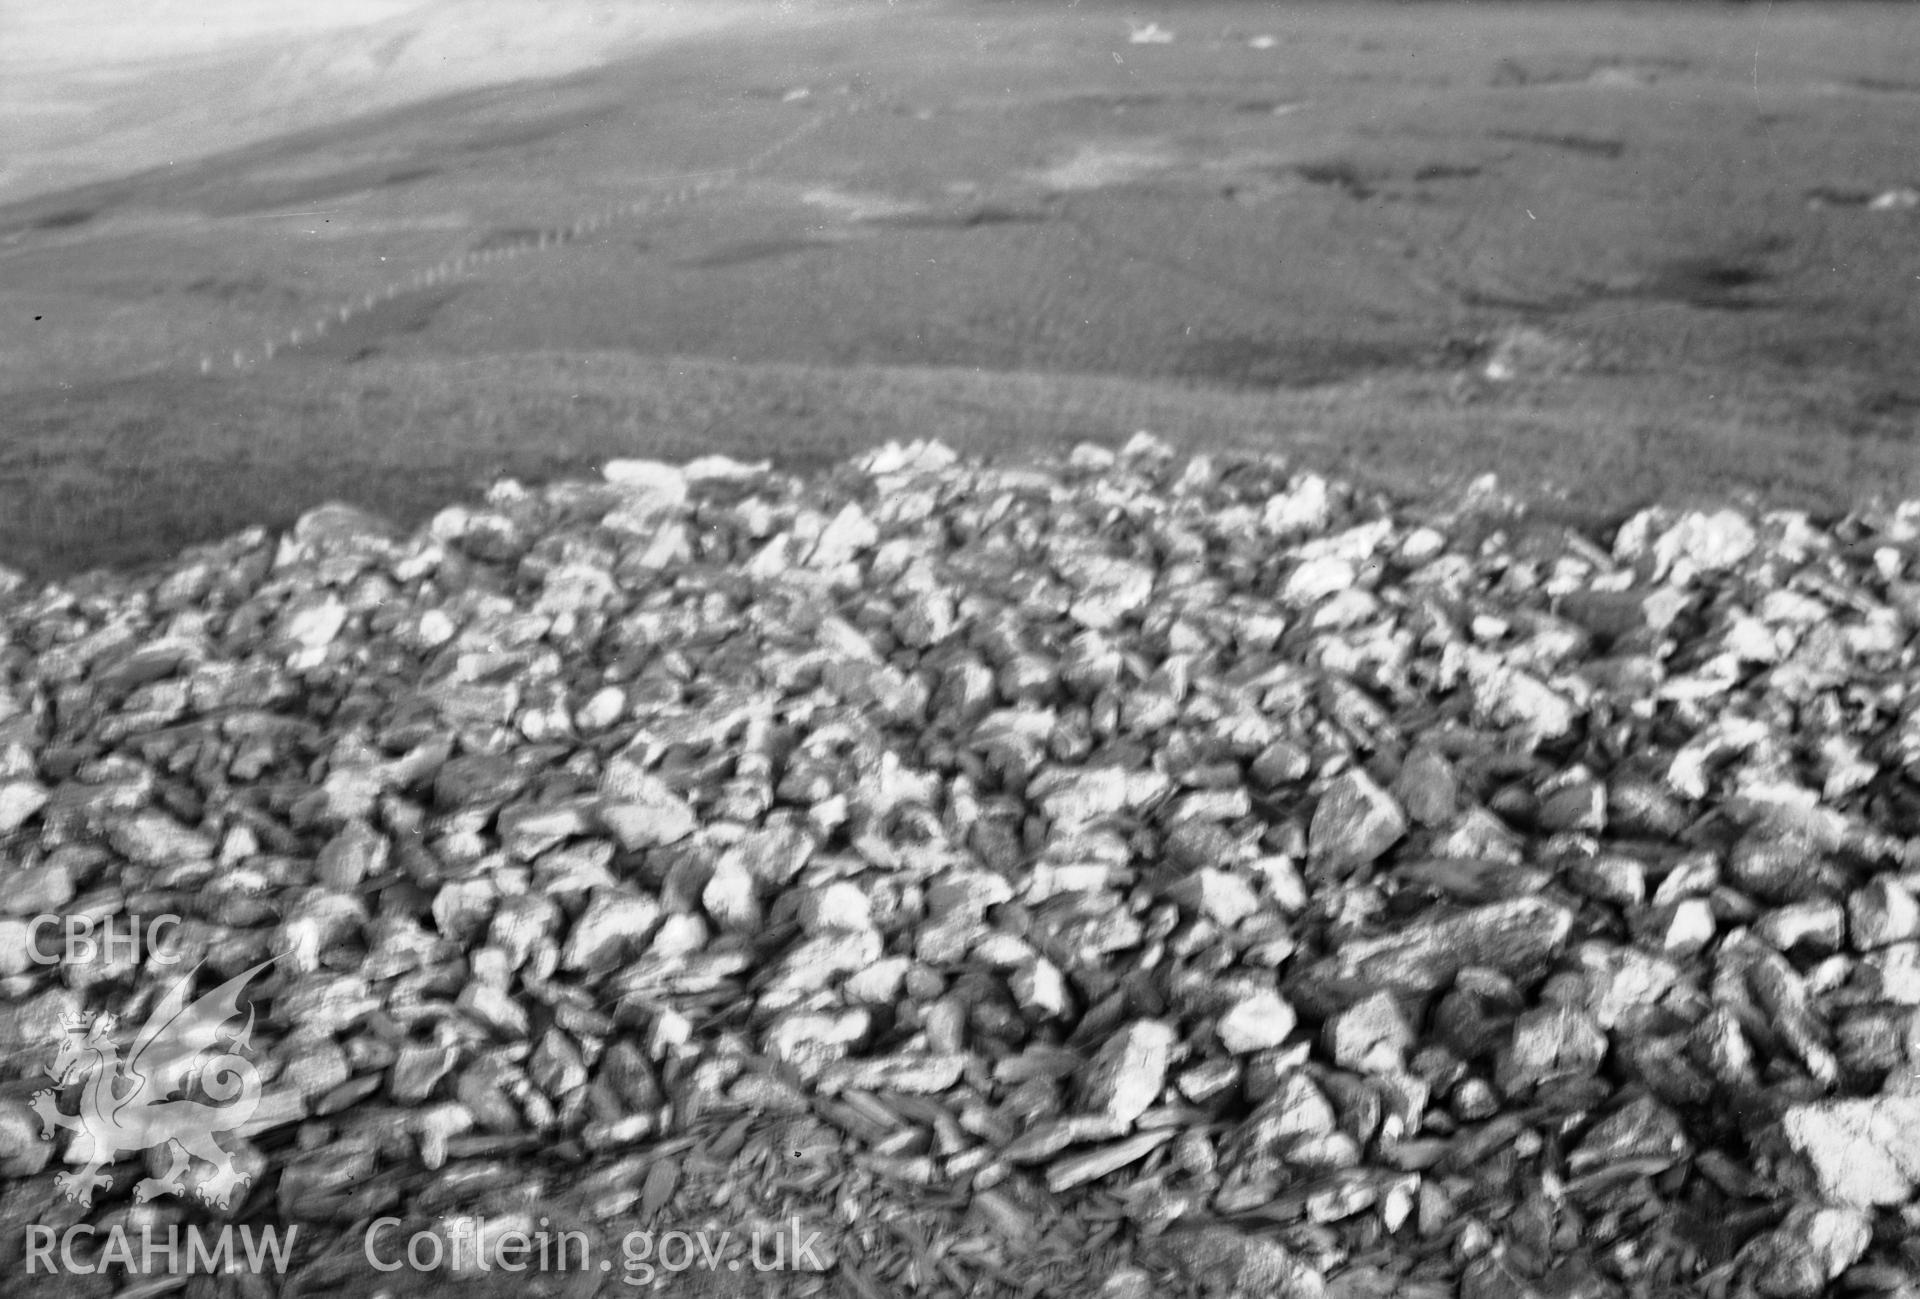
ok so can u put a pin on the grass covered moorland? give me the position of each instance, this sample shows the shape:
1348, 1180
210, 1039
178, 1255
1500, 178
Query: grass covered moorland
1612, 253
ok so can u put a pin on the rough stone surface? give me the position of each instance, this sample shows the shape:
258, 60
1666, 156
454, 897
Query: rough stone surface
1105, 874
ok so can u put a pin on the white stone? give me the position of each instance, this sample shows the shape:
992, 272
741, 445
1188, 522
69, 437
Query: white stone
1256, 1023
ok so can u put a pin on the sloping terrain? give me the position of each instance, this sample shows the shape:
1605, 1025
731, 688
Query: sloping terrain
1639, 201
92, 89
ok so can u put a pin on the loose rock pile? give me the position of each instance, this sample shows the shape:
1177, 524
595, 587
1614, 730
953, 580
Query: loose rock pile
1118, 876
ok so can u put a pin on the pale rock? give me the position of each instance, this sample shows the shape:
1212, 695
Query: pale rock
1641, 1130
916, 459
1222, 896
1355, 821
878, 982
1109, 590
1550, 1043
16, 951
313, 622
638, 826
1882, 913
352, 856
1515, 937
1316, 579
155, 839
849, 533
1807, 1252
718, 468
908, 1074
615, 926
494, 1009
839, 905
804, 1038
1041, 989
19, 800
1304, 509
1226, 1260
1704, 543
1126, 1076
730, 897
38, 890
1371, 1036
659, 485
1427, 787
1257, 1022
1861, 1153
23, 1153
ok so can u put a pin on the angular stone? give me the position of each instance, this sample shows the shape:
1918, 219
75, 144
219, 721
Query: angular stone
611, 929
1224, 1260
1807, 1252
1516, 937
638, 826
38, 890
1862, 1153
23, 1152
1128, 1073
1108, 590
1256, 1022
1354, 822
1550, 1043
912, 1075
19, 800
1642, 1129
418, 1069
1221, 896
1818, 926
1882, 913
1427, 787
494, 1010
1704, 543
475, 780
1371, 1036
313, 621
351, 856
155, 839
660, 486
1065, 1174
1575, 805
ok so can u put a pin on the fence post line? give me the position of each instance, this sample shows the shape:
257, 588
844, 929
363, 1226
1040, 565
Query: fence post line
691, 185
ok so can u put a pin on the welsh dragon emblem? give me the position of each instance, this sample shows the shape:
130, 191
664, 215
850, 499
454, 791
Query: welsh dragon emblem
125, 1105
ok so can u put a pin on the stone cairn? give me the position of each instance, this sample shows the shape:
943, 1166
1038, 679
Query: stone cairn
1115, 876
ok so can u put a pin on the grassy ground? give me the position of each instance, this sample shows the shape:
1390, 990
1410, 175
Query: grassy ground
122, 472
